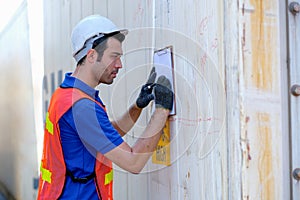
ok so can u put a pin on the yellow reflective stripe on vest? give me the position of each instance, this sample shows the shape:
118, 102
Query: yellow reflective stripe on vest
46, 174
49, 124
109, 177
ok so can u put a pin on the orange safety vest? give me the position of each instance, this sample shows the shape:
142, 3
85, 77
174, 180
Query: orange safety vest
53, 168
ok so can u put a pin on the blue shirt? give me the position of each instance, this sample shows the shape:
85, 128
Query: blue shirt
84, 130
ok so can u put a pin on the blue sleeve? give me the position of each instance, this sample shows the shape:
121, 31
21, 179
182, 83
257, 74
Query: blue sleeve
94, 127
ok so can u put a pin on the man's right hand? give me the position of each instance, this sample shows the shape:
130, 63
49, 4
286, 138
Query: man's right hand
146, 95
163, 93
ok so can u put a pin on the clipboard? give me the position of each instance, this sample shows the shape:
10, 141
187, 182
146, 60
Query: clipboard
164, 65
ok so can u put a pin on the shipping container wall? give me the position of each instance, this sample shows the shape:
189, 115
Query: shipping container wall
227, 137
18, 150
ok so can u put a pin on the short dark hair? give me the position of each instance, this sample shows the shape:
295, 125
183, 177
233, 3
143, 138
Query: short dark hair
100, 45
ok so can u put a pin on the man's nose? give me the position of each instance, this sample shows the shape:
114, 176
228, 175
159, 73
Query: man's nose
118, 63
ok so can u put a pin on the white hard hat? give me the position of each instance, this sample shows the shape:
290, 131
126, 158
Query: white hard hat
88, 30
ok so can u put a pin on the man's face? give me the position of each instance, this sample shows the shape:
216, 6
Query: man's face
107, 68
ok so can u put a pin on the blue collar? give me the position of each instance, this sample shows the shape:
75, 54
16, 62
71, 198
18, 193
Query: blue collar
72, 82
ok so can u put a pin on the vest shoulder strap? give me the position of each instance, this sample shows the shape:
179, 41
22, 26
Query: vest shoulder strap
64, 98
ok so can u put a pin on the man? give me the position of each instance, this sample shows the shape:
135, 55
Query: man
80, 143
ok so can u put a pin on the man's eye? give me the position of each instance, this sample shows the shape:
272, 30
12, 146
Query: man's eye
116, 57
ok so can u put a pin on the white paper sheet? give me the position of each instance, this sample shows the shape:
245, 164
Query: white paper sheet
163, 62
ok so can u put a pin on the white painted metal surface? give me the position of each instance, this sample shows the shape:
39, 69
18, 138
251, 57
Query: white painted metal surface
260, 100
229, 137
232, 63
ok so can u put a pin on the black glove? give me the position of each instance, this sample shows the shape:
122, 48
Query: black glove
163, 93
146, 95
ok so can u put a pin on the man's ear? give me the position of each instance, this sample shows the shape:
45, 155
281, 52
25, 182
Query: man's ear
91, 56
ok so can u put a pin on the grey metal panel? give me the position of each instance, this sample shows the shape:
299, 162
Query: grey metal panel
286, 174
294, 78
75, 12
87, 7
100, 7
65, 35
